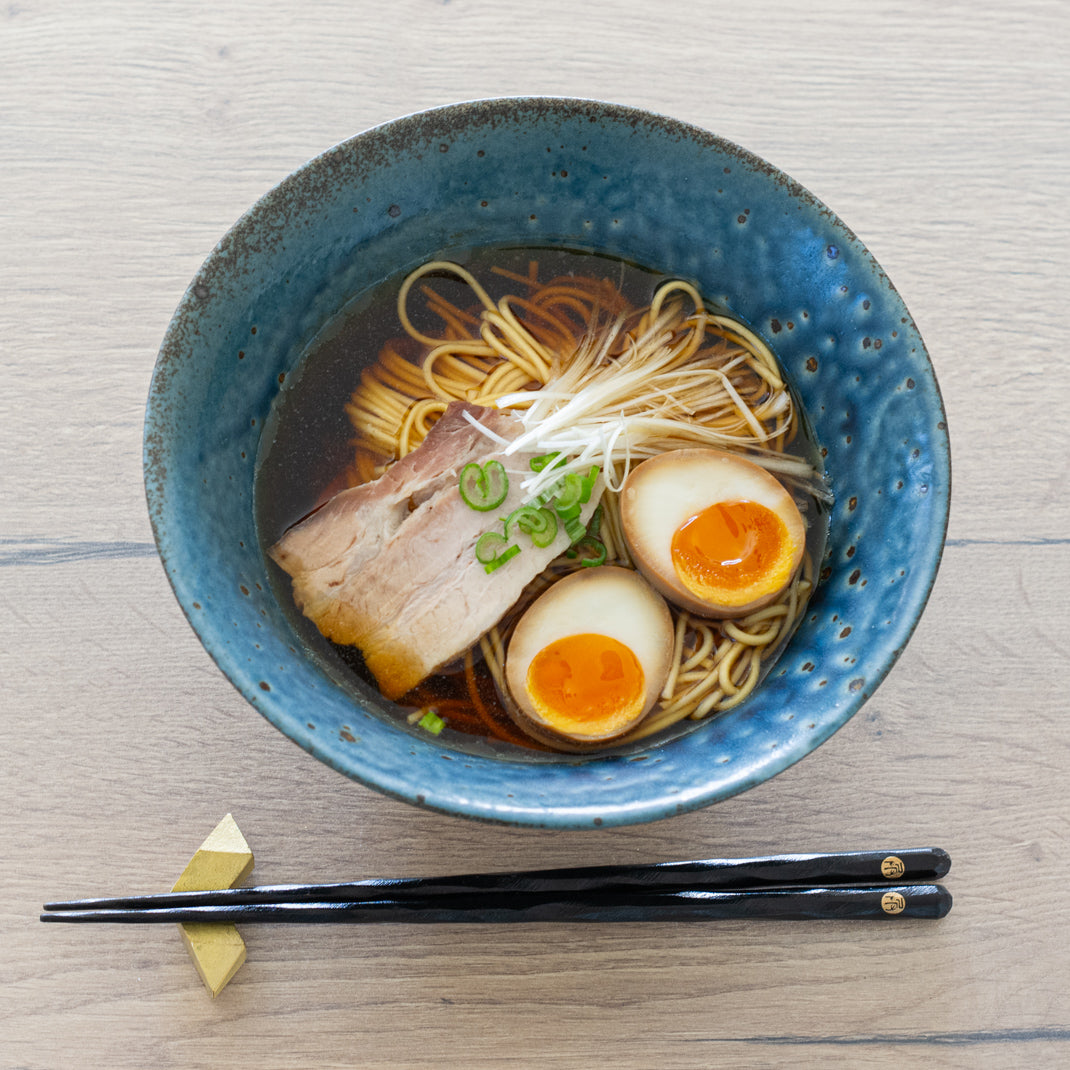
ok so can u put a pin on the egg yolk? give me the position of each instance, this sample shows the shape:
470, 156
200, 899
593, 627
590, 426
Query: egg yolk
732, 552
591, 683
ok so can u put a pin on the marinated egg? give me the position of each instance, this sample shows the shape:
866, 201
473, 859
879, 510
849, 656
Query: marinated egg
587, 660
715, 533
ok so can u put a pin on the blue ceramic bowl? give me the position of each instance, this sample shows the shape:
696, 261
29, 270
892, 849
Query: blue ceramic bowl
613, 180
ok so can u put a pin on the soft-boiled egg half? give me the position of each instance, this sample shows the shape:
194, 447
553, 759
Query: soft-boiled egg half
715, 533
589, 657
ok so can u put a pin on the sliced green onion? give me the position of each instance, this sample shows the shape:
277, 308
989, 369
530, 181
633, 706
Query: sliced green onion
432, 722
506, 555
539, 463
596, 548
575, 529
588, 482
594, 525
483, 487
537, 522
569, 492
489, 545
545, 498
571, 513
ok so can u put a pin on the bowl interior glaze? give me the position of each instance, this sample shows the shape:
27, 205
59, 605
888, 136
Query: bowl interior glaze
585, 175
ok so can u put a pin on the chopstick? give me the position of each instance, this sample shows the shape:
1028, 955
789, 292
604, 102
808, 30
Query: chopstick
905, 866
620, 905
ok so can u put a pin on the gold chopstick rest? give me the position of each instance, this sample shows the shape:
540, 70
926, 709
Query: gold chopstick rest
222, 861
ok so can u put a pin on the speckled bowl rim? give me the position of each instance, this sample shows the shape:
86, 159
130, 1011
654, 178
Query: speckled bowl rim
684, 774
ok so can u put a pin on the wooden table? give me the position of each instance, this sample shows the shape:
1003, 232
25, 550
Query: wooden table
132, 135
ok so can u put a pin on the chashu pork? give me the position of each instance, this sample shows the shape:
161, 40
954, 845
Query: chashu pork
390, 566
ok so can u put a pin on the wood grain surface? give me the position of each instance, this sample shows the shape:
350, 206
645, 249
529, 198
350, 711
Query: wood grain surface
132, 135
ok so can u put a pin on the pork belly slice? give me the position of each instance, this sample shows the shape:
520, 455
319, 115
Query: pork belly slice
352, 527
390, 566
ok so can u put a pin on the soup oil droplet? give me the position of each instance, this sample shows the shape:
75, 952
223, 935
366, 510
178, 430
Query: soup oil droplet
586, 680
728, 546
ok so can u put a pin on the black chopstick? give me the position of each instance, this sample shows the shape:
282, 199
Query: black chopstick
820, 903
907, 865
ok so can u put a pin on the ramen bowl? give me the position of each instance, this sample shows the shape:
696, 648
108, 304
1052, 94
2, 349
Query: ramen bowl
582, 175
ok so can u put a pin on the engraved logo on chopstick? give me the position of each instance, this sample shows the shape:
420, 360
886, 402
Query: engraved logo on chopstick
892, 867
893, 902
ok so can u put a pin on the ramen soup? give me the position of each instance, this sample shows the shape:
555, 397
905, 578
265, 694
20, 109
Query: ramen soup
542, 497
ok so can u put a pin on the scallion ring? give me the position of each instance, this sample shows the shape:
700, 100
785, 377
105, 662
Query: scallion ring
489, 545
540, 462
483, 487
594, 525
431, 722
567, 514
506, 555
591, 551
575, 528
588, 482
569, 493
537, 522
493, 550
